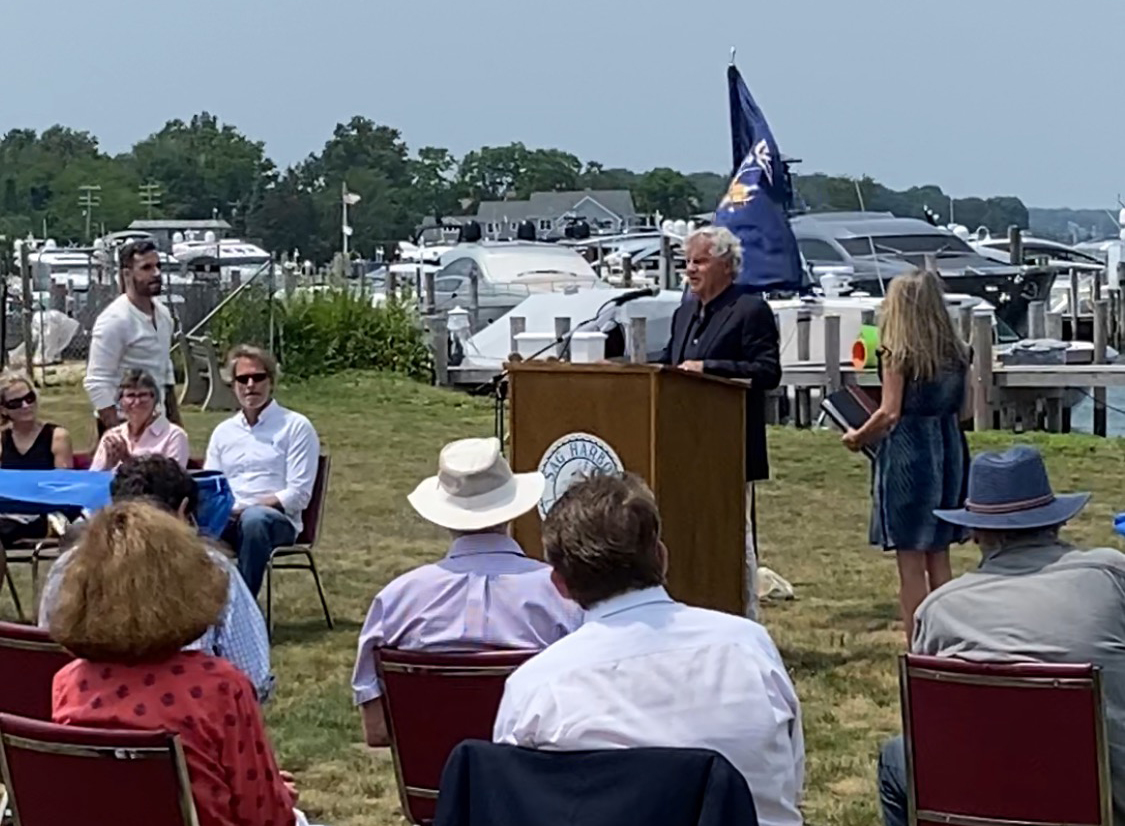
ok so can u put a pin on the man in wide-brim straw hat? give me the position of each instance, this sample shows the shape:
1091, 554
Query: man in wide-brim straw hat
484, 593
1033, 597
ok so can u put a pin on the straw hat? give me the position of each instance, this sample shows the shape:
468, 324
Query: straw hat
475, 488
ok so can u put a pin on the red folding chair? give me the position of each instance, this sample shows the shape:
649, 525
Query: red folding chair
1012, 743
299, 555
29, 660
58, 775
432, 702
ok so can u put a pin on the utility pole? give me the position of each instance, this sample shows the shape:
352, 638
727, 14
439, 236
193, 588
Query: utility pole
150, 196
88, 199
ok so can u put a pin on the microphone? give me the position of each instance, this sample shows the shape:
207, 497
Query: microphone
632, 295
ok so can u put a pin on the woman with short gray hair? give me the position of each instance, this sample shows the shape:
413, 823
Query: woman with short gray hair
145, 430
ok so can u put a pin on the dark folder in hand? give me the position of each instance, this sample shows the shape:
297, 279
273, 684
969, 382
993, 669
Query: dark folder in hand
849, 409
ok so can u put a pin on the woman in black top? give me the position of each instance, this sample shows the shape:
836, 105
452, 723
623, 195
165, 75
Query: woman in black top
26, 443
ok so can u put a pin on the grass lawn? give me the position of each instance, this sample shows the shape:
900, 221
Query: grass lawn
839, 638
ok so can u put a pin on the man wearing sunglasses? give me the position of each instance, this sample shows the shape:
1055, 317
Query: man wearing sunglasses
269, 456
135, 331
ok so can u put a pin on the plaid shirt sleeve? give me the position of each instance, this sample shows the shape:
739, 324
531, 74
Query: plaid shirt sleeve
240, 635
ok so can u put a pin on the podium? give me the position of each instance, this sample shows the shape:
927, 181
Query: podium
683, 433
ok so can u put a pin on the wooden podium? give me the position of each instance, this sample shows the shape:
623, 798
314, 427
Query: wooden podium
684, 433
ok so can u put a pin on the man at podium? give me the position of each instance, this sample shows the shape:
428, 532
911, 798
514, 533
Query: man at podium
723, 329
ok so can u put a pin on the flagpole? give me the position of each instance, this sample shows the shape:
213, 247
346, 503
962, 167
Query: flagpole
344, 223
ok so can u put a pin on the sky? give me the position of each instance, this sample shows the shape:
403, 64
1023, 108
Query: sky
981, 97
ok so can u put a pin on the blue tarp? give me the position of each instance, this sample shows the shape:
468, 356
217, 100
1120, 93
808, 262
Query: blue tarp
48, 491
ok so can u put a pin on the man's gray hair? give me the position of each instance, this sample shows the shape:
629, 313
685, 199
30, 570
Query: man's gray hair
723, 242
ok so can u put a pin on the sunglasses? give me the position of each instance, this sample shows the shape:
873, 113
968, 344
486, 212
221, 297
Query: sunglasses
16, 404
257, 378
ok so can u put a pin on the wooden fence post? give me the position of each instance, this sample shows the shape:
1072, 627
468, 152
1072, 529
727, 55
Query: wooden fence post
626, 270
982, 371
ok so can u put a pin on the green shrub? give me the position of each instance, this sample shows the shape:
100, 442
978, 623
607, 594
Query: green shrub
321, 333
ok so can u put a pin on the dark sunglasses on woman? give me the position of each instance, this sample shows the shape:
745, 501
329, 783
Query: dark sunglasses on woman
16, 404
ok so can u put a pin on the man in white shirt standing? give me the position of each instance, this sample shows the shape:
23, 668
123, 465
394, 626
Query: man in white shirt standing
134, 331
269, 455
645, 670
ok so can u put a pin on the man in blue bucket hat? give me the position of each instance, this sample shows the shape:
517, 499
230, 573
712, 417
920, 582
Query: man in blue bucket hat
1033, 597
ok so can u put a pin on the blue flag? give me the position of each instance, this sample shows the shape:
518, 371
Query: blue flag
755, 207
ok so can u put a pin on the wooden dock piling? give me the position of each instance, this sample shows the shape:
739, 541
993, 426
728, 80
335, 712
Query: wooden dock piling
1101, 329
638, 340
516, 324
982, 371
803, 395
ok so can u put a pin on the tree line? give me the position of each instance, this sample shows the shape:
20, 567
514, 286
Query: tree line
62, 180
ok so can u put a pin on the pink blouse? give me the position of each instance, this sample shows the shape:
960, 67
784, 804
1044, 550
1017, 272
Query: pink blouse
161, 436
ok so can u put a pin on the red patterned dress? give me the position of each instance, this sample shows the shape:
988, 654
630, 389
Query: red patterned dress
211, 705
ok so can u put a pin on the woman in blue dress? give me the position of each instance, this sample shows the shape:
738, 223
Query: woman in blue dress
922, 457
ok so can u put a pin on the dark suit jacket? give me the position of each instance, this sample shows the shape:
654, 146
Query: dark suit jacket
735, 336
485, 784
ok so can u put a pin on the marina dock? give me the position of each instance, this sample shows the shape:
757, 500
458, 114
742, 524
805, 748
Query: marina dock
1021, 397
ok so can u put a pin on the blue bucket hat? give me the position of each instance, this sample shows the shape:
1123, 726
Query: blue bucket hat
1010, 491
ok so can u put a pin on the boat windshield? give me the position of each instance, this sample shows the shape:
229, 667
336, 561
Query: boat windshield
933, 243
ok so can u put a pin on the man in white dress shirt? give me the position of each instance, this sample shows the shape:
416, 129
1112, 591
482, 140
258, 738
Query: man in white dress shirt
134, 331
645, 670
269, 455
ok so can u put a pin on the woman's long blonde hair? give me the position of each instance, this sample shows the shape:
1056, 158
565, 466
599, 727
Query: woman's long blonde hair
138, 588
915, 330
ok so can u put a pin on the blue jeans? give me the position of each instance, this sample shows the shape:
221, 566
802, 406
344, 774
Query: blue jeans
253, 535
892, 782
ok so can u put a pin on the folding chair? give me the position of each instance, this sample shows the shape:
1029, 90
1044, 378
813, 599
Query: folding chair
299, 555
29, 659
65, 774
1014, 743
432, 702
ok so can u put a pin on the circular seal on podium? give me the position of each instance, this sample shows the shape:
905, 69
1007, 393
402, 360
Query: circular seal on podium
573, 457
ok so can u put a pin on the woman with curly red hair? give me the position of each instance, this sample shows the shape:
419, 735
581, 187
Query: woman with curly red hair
140, 587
